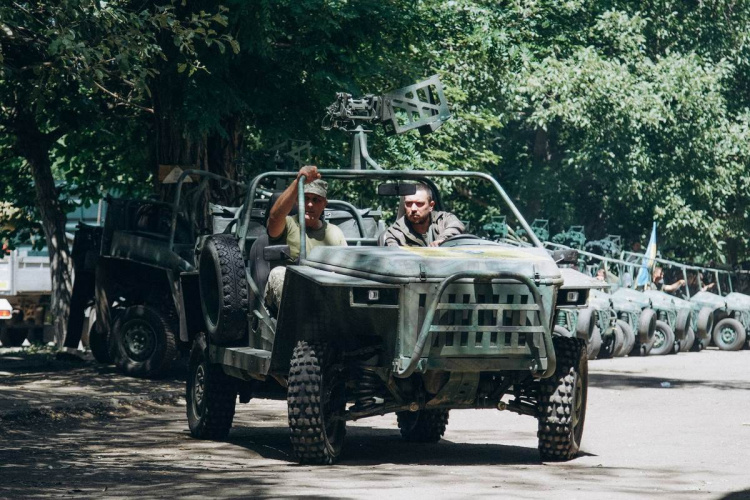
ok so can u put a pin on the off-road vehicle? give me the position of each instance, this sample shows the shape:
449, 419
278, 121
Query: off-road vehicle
366, 330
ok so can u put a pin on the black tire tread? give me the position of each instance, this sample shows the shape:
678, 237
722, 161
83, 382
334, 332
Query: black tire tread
155, 366
233, 314
220, 394
423, 426
555, 405
304, 401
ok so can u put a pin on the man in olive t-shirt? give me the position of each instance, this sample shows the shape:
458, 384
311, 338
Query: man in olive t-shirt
284, 229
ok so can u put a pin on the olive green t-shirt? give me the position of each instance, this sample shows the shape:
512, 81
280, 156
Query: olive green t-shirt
327, 235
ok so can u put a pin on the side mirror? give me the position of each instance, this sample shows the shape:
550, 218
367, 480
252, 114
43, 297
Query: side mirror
275, 253
396, 189
567, 256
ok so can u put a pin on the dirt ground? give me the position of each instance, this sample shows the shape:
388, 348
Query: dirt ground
672, 427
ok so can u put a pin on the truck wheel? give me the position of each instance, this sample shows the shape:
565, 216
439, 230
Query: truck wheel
689, 341
316, 400
647, 328
628, 337
210, 396
99, 345
594, 345
423, 426
705, 325
223, 289
729, 335
664, 339
586, 322
144, 341
682, 324
612, 344
562, 402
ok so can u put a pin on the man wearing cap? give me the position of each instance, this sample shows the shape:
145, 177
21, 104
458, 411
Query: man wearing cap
284, 229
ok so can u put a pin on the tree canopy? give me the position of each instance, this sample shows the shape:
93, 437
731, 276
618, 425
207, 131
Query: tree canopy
605, 114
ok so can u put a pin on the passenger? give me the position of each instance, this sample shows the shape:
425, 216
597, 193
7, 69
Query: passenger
658, 282
421, 225
284, 229
601, 274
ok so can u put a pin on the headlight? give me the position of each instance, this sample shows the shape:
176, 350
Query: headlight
362, 296
572, 298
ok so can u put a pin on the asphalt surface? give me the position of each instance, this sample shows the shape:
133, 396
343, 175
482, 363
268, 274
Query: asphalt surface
668, 427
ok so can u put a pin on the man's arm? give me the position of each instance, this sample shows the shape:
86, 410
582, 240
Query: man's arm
451, 227
674, 286
282, 207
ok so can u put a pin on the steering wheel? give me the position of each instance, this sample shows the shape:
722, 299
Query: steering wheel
459, 237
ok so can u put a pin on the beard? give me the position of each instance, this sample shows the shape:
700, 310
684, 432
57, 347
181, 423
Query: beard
415, 219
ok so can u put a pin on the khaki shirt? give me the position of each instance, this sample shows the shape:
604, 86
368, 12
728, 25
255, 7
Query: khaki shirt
327, 235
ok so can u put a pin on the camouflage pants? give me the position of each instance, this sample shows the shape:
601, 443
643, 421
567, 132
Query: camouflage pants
274, 288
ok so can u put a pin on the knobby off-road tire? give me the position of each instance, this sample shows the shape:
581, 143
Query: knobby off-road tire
144, 342
628, 337
423, 426
729, 335
594, 345
687, 344
316, 400
223, 289
664, 342
562, 402
211, 395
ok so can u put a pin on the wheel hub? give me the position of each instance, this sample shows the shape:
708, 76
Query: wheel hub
728, 335
139, 340
659, 339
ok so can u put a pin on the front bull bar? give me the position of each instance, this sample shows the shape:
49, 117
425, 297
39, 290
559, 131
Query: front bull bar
424, 333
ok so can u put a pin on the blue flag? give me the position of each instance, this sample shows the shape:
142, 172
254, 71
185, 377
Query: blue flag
644, 275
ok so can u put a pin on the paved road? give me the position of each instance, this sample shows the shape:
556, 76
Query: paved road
668, 427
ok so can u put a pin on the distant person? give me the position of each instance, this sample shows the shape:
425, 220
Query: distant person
422, 225
658, 282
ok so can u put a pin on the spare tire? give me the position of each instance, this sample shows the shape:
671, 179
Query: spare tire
223, 289
683, 323
647, 327
585, 324
705, 324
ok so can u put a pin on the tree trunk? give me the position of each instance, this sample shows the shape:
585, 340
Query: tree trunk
34, 146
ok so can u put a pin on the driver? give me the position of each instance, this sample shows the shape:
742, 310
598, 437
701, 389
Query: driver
422, 225
284, 229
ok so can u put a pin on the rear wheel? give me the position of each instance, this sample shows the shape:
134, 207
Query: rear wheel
13, 336
729, 335
99, 344
612, 344
664, 339
562, 402
144, 343
423, 426
210, 396
316, 400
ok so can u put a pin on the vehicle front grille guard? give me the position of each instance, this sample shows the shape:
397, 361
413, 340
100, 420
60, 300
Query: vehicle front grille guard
428, 327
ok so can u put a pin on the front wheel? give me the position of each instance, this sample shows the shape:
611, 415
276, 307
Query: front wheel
423, 426
729, 335
689, 341
562, 402
316, 400
594, 345
210, 395
628, 337
664, 342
